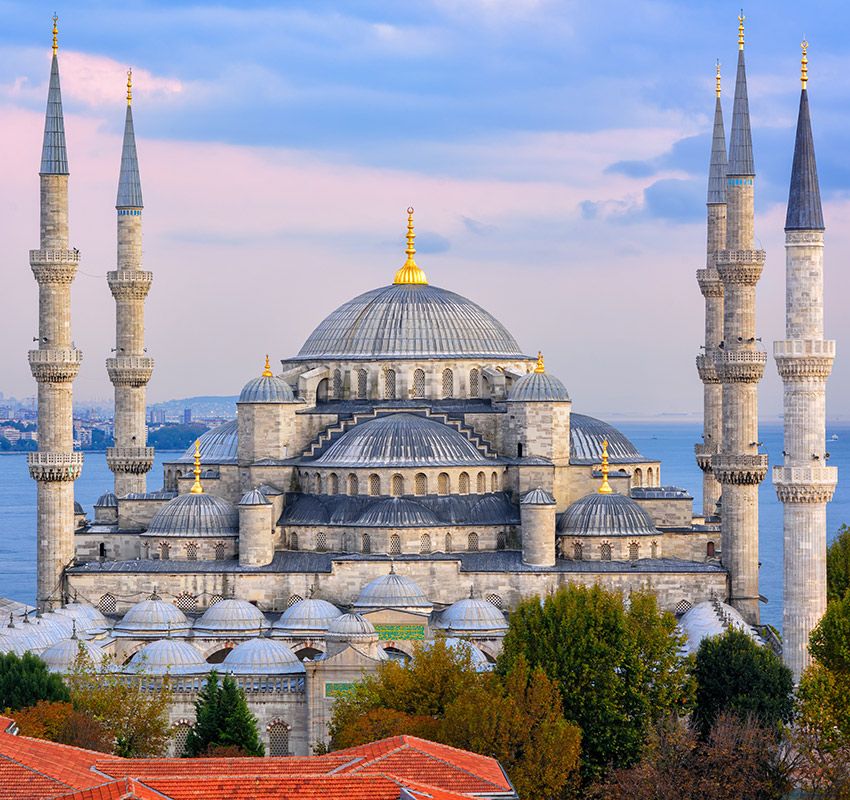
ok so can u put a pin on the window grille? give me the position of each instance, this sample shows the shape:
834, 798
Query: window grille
397, 485
106, 604
293, 599
216, 598
448, 546
443, 485
352, 484
500, 540
634, 551
365, 543
164, 550
463, 483
472, 542
420, 484
219, 551
337, 384
605, 550
395, 544
424, 543
682, 606
389, 384
474, 383
186, 602
494, 482
448, 383
481, 484
578, 551
495, 600
334, 483
192, 551
293, 541
179, 734
361, 384
278, 739
419, 383
374, 485
321, 541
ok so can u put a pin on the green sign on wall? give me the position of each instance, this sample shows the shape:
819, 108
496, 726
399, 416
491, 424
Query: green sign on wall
337, 689
398, 633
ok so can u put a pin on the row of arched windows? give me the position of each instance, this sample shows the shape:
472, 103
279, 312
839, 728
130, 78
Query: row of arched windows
398, 484
164, 548
653, 477
605, 551
389, 387
426, 543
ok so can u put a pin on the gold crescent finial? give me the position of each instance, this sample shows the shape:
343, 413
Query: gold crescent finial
605, 488
130, 86
196, 486
540, 367
410, 273
55, 33
741, 19
804, 63
717, 78
267, 371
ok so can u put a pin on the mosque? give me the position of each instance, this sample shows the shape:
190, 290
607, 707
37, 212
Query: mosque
411, 472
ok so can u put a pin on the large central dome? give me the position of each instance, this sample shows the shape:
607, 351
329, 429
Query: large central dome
409, 321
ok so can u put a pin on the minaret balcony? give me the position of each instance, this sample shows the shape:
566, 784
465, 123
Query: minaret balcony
709, 282
742, 267
740, 366
740, 469
54, 365
130, 460
704, 453
129, 370
55, 466
54, 266
129, 284
707, 368
805, 484
798, 359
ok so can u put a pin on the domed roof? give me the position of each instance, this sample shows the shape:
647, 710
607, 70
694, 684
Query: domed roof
231, 617
18, 643
262, 656
152, 618
393, 591
218, 446
401, 440
78, 508
87, 617
62, 656
173, 656
267, 389
107, 500
397, 512
537, 497
477, 658
587, 435
409, 321
254, 498
538, 386
195, 515
473, 615
306, 617
606, 515
352, 627
712, 618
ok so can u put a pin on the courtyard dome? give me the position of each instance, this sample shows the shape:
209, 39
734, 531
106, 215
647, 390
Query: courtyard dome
62, 656
393, 591
87, 617
401, 440
473, 616
262, 656
397, 512
218, 446
538, 386
712, 618
267, 389
606, 515
195, 515
352, 627
231, 617
172, 656
478, 661
152, 618
310, 617
587, 435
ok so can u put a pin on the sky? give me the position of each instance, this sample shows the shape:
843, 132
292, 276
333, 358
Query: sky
556, 154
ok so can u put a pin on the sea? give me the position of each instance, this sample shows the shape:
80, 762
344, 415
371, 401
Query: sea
671, 443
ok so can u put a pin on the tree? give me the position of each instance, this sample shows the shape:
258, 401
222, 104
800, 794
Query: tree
24, 680
222, 721
735, 674
617, 670
61, 722
838, 565
829, 642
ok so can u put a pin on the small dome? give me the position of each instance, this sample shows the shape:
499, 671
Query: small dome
310, 617
195, 515
18, 643
108, 500
587, 435
254, 498
472, 615
477, 658
218, 446
172, 656
78, 509
87, 617
352, 627
393, 591
606, 515
262, 656
267, 389
62, 656
397, 512
231, 617
538, 387
152, 618
712, 618
537, 497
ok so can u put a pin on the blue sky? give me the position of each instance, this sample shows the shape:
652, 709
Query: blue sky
555, 151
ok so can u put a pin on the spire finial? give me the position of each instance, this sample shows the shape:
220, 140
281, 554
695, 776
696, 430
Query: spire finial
130, 86
392, 567
540, 367
804, 63
267, 370
717, 78
55, 33
471, 591
605, 488
196, 486
741, 19
410, 273
73, 629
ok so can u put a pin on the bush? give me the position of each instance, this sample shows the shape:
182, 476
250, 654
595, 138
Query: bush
24, 680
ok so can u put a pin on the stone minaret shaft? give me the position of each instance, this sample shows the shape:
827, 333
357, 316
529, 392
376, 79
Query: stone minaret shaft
712, 290
804, 483
739, 467
130, 369
56, 362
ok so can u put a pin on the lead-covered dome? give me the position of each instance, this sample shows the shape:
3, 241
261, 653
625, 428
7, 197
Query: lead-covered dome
217, 446
606, 515
393, 591
401, 440
473, 616
63, 656
587, 435
712, 618
267, 389
310, 617
409, 321
538, 386
262, 656
172, 656
351, 627
397, 512
152, 618
231, 617
195, 515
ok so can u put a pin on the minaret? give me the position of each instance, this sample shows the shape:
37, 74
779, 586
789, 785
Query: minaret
712, 290
739, 467
804, 483
130, 369
56, 362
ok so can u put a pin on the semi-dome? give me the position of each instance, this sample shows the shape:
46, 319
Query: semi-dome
409, 321
254, 498
172, 656
267, 388
217, 446
538, 386
606, 515
62, 656
473, 616
152, 618
310, 617
393, 591
351, 627
587, 435
401, 440
106, 500
537, 497
712, 618
231, 617
262, 656
397, 512
195, 515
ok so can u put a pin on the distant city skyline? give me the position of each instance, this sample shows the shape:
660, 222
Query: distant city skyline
564, 144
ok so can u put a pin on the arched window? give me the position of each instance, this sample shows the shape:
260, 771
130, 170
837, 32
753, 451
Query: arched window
682, 607
634, 551
519, 450
709, 550
495, 600
179, 733
501, 540
424, 543
361, 384
397, 485
605, 551
637, 477
649, 477
337, 384
322, 391
494, 482
352, 484
216, 598
333, 481
389, 384
164, 551
578, 551
463, 483
374, 484
419, 383
318, 483
420, 484
321, 541
448, 544
481, 483
192, 551
106, 604
365, 543
448, 383
395, 544
474, 383
293, 541
219, 551
293, 599
472, 541
654, 549
278, 739
186, 602
443, 484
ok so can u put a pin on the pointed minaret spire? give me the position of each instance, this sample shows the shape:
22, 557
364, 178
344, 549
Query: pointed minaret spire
717, 165
54, 156
129, 184
740, 138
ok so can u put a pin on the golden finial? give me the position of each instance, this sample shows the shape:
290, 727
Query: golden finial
196, 486
717, 78
267, 371
605, 488
741, 19
410, 272
130, 86
55, 33
804, 63
540, 367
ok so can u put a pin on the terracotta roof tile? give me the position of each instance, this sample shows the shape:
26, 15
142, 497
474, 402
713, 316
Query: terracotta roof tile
123, 789
24, 782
